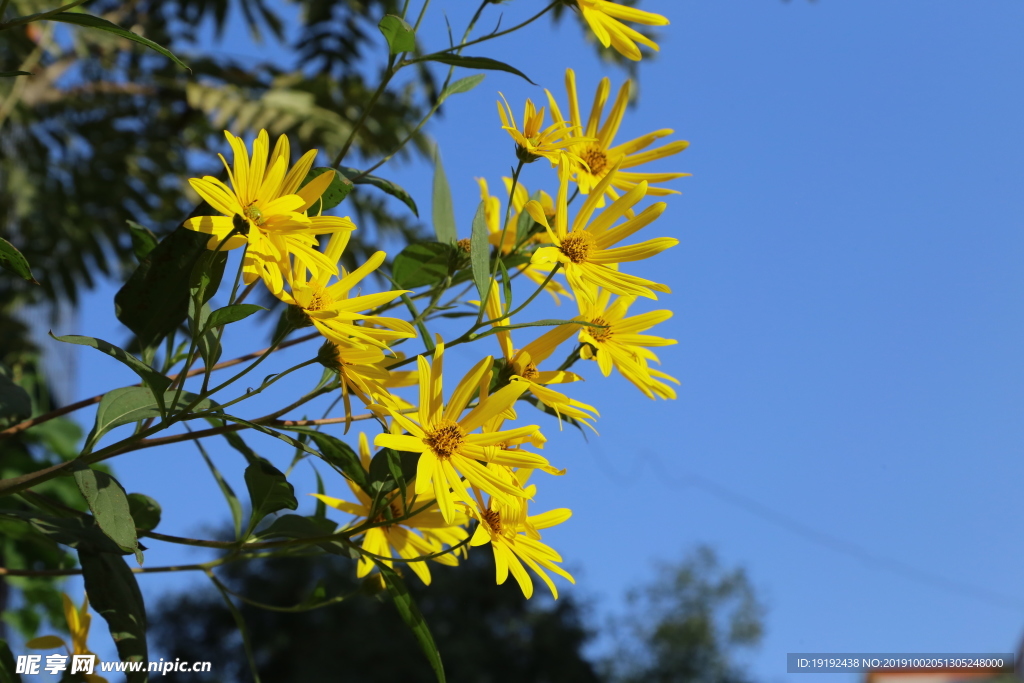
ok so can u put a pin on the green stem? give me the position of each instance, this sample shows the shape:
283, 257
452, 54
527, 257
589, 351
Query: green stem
388, 75
489, 36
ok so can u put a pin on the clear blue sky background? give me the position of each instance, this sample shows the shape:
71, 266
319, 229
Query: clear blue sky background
848, 299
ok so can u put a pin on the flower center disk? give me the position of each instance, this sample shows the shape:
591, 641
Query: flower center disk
445, 439
493, 519
577, 245
596, 160
600, 334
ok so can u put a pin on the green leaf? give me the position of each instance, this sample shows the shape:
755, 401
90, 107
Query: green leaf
297, 526
109, 505
480, 253
115, 595
143, 240
226, 490
400, 36
269, 491
150, 377
12, 260
11, 74
7, 663
208, 341
79, 532
391, 469
412, 617
357, 177
231, 314
15, 403
90, 21
442, 211
145, 511
334, 194
544, 323
423, 263
130, 404
155, 300
243, 629
485, 63
338, 455
462, 85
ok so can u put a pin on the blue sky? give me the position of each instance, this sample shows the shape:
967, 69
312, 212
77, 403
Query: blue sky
848, 305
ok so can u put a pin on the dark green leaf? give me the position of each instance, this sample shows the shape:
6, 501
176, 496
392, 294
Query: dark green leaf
231, 314
150, 377
269, 491
400, 36
334, 194
143, 240
225, 489
104, 25
11, 74
145, 511
442, 211
7, 663
109, 505
339, 455
15, 403
155, 300
208, 341
297, 526
243, 629
130, 404
462, 85
423, 263
485, 63
412, 617
80, 533
480, 253
390, 470
115, 595
356, 176
12, 260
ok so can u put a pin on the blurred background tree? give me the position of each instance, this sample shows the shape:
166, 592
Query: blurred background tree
689, 625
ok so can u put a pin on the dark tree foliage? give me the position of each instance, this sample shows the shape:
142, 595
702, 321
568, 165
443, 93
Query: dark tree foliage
689, 625
485, 633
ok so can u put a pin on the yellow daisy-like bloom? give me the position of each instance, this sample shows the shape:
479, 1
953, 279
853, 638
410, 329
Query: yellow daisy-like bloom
514, 540
533, 141
493, 212
445, 437
587, 252
601, 155
78, 620
363, 371
267, 196
603, 17
522, 365
333, 312
619, 344
425, 533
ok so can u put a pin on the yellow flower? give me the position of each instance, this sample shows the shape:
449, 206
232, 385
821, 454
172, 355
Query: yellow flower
514, 540
601, 156
330, 308
425, 533
78, 620
363, 371
603, 17
587, 252
533, 142
619, 344
272, 206
493, 211
522, 365
446, 440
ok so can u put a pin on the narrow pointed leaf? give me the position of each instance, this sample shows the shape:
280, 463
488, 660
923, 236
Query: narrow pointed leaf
143, 240
90, 21
462, 85
114, 594
442, 210
485, 63
479, 253
231, 314
396, 191
12, 260
412, 617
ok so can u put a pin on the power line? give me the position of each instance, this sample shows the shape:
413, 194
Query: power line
808, 533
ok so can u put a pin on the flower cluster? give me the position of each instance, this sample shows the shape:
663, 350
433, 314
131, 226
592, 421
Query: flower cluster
471, 457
